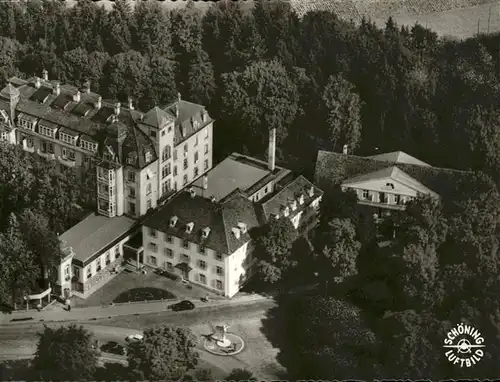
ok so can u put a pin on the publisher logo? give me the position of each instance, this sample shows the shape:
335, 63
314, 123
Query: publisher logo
464, 344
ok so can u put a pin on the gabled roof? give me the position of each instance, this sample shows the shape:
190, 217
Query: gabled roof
156, 117
334, 168
290, 192
393, 173
398, 157
219, 217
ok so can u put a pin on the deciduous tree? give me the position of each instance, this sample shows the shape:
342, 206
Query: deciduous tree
164, 353
65, 353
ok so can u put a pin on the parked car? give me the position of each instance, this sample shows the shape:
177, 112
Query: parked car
113, 348
183, 305
134, 338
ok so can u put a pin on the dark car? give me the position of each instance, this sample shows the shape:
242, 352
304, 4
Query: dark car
183, 305
113, 348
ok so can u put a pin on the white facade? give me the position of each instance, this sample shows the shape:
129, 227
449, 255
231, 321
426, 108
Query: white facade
214, 270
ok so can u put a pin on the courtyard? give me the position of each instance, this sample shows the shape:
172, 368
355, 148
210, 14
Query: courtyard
150, 286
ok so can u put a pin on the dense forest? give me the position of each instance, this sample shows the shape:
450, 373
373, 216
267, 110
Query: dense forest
322, 83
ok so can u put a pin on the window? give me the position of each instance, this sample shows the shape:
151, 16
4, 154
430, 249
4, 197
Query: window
165, 187
218, 256
131, 208
175, 186
30, 142
196, 172
98, 264
163, 133
366, 194
203, 278
89, 146
152, 134
165, 171
185, 258
175, 170
131, 192
186, 148
148, 204
185, 163
219, 271
205, 164
196, 157
152, 260
43, 148
166, 154
397, 199
185, 244
168, 252
147, 157
170, 267
218, 284
184, 180
382, 197
206, 133
66, 271
202, 249
169, 239
202, 264
206, 148
117, 252
108, 258
131, 176
196, 140
175, 154
153, 247
89, 271
76, 272
148, 189
152, 232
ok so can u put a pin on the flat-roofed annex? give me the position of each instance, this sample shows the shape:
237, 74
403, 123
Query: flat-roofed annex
229, 175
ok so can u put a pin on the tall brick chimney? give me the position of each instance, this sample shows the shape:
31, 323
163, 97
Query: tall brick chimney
271, 156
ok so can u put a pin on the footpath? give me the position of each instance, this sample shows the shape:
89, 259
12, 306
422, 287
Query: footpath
59, 313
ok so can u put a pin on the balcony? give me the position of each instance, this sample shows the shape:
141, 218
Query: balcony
66, 161
382, 204
48, 156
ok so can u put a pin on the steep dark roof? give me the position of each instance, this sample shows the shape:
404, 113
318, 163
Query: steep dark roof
290, 192
333, 168
219, 217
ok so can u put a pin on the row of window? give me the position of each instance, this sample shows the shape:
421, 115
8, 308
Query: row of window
98, 263
185, 259
382, 197
49, 132
185, 243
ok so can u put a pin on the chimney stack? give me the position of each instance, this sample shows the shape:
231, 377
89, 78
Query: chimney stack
58, 89
117, 108
87, 86
130, 104
271, 156
179, 96
45, 75
37, 83
205, 182
98, 103
76, 97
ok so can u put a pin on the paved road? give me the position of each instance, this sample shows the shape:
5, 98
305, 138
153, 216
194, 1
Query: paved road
20, 340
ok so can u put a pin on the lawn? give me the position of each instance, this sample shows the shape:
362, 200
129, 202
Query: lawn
144, 294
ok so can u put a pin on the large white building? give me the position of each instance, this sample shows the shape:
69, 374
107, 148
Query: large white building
128, 162
202, 234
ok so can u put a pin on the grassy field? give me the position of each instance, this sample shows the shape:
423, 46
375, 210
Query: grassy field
457, 18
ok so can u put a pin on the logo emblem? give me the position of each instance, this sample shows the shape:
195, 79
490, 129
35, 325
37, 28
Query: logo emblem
465, 345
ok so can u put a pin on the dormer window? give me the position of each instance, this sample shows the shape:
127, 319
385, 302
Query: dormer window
311, 192
390, 185
189, 227
242, 227
205, 232
301, 199
196, 124
89, 146
293, 206
47, 131
204, 116
173, 221
286, 211
66, 138
4, 116
148, 156
236, 233
184, 131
